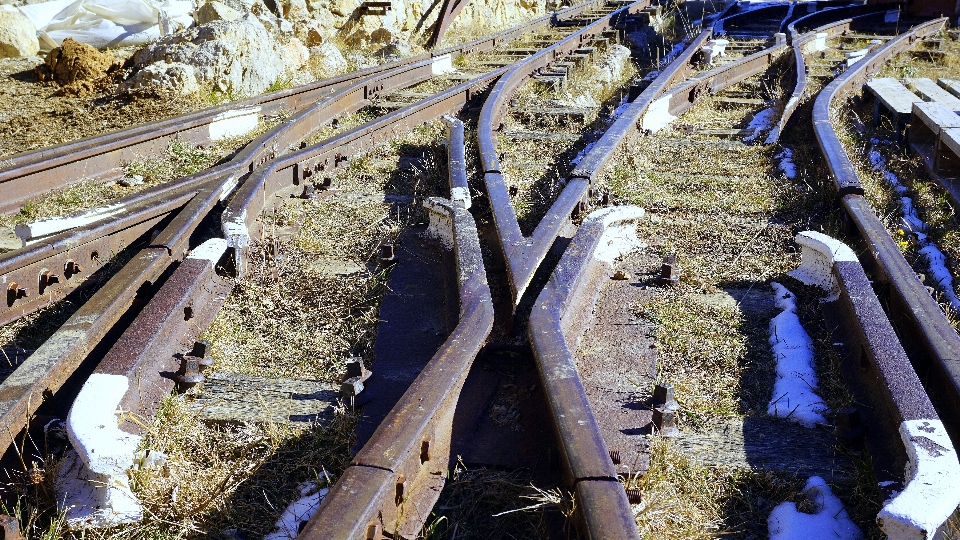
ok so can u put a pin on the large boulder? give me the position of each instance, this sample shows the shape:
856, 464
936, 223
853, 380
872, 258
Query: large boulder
232, 56
18, 36
295, 54
295, 9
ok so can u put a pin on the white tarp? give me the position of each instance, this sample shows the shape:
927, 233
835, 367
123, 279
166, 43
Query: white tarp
106, 23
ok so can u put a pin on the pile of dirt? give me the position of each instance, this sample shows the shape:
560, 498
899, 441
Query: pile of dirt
78, 68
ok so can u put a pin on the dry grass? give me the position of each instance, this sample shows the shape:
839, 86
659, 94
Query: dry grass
730, 215
179, 159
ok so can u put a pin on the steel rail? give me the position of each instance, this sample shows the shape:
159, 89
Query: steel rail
45, 371
289, 173
392, 483
99, 157
524, 255
448, 12
857, 15
27, 267
556, 324
909, 446
937, 354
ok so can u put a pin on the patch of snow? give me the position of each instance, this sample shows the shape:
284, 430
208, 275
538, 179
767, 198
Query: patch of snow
761, 122
911, 222
300, 510
794, 395
829, 521
786, 164
234, 123
619, 232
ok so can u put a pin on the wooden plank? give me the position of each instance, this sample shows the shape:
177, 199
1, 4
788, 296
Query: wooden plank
936, 116
767, 443
950, 138
894, 96
950, 85
929, 91
231, 397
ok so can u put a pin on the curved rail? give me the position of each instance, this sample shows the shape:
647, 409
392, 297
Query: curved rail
524, 255
99, 157
554, 330
70, 256
909, 304
858, 16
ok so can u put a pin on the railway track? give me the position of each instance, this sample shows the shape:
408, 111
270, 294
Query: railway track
559, 239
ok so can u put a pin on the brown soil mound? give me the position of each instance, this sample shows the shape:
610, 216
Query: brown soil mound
75, 66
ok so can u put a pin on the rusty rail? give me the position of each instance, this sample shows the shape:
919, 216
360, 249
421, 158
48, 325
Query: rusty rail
524, 255
858, 15
556, 324
100, 157
448, 12
391, 485
27, 267
936, 355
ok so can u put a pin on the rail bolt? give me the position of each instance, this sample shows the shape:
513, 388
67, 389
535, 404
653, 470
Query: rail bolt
12, 294
71, 268
669, 270
201, 351
634, 496
848, 426
189, 374
615, 456
387, 255
309, 192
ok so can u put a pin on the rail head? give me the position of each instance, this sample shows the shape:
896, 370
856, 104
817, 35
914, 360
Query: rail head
556, 323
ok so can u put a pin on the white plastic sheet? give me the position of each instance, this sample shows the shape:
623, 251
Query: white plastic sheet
106, 23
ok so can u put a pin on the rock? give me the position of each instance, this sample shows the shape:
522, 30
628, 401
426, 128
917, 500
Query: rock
294, 9
216, 11
395, 51
327, 61
276, 26
18, 36
135, 179
610, 67
343, 8
233, 56
314, 34
163, 78
295, 54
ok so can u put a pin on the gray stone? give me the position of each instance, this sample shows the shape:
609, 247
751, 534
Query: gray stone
233, 56
166, 78
395, 51
18, 36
